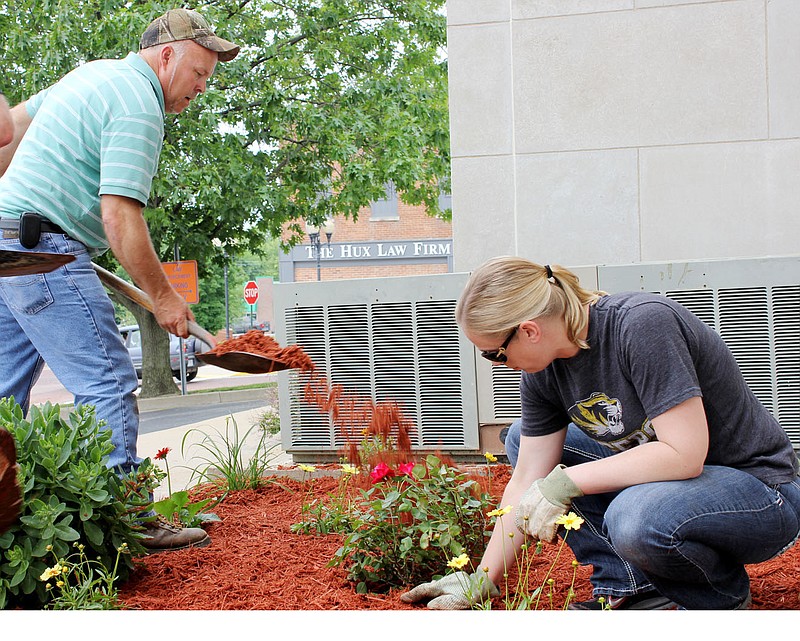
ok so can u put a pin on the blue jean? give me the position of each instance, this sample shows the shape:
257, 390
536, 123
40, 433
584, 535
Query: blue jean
689, 540
65, 319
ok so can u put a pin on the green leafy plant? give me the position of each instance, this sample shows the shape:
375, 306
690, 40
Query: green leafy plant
83, 584
226, 457
178, 507
410, 523
69, 496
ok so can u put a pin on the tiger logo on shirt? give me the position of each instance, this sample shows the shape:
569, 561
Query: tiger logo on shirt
600, 416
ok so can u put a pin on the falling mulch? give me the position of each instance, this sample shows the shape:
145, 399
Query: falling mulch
256, 563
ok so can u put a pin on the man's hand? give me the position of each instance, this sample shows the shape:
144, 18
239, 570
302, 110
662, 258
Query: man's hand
457, 591
172, 313
545, 501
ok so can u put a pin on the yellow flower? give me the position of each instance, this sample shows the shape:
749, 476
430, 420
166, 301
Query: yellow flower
49, 573
570, 521
491, 458
458, 562
500, 511
59, 584
307, 468
349, 469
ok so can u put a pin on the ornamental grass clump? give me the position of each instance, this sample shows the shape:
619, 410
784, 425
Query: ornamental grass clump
410, 522
69, 497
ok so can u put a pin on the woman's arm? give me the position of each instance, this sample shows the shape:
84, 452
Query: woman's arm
538, 455
679, 453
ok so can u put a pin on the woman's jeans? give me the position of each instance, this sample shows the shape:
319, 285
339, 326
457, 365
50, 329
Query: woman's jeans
687, 539
65, 318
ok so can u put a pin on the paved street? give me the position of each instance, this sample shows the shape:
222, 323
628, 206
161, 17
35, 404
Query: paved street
48, 388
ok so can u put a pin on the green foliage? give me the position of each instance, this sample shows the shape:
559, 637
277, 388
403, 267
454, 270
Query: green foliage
82, 583
270, 421
177, 506
230, 457
70, 496
406, 529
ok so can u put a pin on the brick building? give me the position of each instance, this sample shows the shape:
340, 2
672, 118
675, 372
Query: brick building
389, 238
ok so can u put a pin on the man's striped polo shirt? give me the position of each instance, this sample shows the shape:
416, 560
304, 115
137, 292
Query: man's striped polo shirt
97, 131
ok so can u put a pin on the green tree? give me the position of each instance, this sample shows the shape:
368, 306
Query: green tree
328, 100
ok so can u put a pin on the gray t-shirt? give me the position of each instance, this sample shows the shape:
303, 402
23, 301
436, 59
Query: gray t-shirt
648, 354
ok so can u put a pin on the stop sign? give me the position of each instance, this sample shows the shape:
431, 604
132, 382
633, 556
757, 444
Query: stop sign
251, 292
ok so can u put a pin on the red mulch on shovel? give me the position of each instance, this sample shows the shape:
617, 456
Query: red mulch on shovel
256, 563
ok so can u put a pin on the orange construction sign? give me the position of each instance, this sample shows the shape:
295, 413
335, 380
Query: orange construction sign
182, 276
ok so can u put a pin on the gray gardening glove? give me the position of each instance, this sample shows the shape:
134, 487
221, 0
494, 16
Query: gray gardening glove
457, 591
544, 502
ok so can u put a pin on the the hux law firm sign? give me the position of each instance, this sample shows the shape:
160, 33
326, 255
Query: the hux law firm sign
380, 250
437, 250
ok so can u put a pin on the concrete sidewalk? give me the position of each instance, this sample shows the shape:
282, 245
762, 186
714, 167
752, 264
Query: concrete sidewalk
184, 442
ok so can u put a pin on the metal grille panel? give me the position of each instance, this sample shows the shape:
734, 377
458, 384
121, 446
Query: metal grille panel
382, 340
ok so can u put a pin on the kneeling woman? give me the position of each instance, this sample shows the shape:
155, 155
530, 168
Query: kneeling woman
635, 416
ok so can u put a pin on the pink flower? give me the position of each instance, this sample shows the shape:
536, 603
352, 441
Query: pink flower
405, 468
381, 471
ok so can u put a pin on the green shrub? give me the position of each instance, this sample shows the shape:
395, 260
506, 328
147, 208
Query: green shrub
407, 527
69, 497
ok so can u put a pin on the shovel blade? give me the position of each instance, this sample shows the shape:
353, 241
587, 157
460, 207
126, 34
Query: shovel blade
243, 362
17, 263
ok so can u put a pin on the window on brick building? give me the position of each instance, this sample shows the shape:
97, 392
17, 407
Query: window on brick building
445, 200
386, 208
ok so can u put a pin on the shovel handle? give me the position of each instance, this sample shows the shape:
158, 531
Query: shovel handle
138, 296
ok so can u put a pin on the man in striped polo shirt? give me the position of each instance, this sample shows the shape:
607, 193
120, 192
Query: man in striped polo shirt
78, 174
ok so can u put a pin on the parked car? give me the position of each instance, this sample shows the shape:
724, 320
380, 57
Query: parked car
132, 338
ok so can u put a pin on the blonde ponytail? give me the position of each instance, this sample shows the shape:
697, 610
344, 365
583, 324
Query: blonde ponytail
507, 290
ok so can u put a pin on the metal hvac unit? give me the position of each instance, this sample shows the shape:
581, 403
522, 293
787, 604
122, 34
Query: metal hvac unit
388, 340
754, 304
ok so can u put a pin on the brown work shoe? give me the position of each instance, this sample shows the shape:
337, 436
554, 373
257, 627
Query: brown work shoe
162, 536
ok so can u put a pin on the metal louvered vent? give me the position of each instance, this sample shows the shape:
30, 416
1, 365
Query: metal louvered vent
754, 304
390, 340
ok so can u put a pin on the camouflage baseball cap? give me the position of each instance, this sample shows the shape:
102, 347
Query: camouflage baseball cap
185, 24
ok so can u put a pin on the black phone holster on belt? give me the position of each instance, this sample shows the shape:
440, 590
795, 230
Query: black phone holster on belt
30, 229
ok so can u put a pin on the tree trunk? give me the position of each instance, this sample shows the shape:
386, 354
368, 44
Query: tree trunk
157, 379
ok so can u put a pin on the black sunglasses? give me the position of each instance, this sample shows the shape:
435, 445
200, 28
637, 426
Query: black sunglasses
499, 355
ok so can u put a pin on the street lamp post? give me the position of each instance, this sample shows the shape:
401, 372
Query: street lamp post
217, 242
315, 237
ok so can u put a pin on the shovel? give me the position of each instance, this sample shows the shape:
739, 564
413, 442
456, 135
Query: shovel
17, 263
234, 361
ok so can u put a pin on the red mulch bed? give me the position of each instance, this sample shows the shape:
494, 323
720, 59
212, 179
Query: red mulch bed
256, 563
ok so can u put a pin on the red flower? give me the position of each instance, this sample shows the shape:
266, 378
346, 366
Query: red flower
162, 454
405, 468
381, 471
